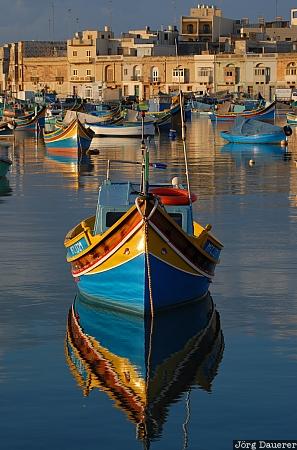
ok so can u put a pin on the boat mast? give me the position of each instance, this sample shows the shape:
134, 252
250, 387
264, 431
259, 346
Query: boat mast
144, 188
183, 133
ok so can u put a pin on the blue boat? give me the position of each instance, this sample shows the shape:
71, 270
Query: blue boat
251, 131
142, 252
144, 366
74, 138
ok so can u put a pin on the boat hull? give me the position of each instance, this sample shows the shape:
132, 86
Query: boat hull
123, 130
142, 266
141, 281
262, 113
75, 137
275, 138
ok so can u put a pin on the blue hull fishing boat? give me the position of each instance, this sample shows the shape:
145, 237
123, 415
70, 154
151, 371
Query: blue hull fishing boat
144, 366
75, 137
251, 131
142, 251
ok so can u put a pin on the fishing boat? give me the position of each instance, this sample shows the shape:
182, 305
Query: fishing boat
5, 164
125, 129
291, 118
252, 131
144, 366
75, 138
265, 112
32, 123
142, 251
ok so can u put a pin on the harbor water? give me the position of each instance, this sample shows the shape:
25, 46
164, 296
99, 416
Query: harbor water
239, 384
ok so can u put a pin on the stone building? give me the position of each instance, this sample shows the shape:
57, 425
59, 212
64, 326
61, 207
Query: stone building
205, 24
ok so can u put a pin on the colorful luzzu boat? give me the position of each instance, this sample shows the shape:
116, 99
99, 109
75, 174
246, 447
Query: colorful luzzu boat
74, 137
141, 251
144, 366
31, 123
266, 112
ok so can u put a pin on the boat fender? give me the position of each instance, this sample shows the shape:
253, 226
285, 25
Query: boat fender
287, 130
173, 196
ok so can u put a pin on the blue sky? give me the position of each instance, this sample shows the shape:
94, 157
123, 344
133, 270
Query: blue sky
33, 19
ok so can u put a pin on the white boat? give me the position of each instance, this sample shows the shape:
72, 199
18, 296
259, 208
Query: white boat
126, 129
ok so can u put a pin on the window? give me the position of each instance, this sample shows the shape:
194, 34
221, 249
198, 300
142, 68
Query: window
89, 36
155, 74
75, 72
190, 28
291, 69
125, 71
178, 73
260, 72
88, 52
126, 91
177, 217
229, 73
74, 53
113, 217
165, 37
60, 80
204, 71
206, 28
88, 72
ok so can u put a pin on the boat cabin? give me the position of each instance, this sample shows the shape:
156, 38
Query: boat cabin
115, 199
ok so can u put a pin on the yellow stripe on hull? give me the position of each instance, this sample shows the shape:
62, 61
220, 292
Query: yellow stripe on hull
136, 246
133, 247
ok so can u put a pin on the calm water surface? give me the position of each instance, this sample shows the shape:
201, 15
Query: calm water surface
241, 384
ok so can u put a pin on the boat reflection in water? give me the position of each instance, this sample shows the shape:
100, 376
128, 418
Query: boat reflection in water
5, 188
144, 365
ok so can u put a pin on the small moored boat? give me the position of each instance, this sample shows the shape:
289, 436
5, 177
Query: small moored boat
251, 131
265, 112
142, 252
75, 137
125, 129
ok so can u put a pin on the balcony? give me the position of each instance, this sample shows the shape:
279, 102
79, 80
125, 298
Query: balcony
290, 79
136, 78
261, 79
81, 59
154, 80
77, 42
208, 79
180, 79
230, 80
78, 79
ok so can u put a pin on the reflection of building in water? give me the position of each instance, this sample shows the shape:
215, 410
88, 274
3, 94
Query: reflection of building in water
148, 364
